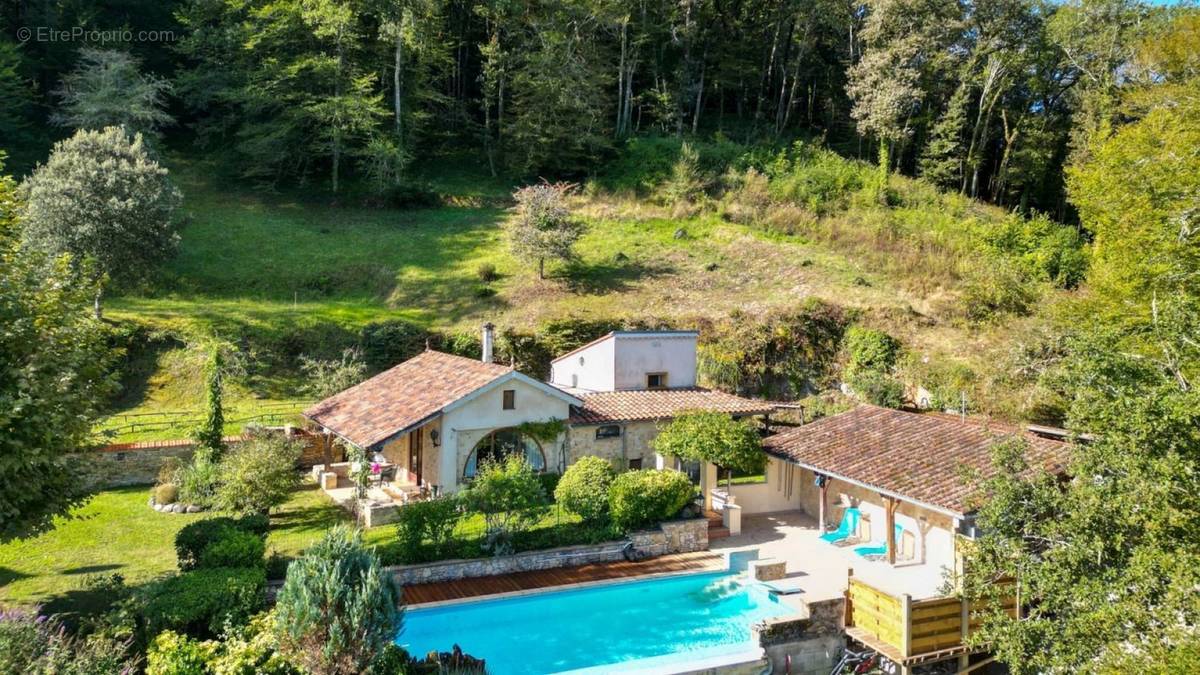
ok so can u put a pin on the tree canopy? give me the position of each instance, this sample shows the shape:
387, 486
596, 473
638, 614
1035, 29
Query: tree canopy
101, 198
54, 375
713, 437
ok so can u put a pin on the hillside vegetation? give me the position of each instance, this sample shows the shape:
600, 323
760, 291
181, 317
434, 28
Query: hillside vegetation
669, 242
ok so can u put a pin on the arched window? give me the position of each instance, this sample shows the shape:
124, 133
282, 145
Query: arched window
500, 444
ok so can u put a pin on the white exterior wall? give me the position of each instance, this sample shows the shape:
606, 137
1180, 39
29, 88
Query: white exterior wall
464, 425
772, 495
591, 368
637, 355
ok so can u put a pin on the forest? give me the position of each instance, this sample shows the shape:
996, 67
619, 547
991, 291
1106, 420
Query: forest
991, 99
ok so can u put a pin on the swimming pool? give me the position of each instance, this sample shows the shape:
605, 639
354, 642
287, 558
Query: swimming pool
614, 623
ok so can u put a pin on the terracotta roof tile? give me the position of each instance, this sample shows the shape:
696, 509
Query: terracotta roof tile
917, 456
629, 406
396, 399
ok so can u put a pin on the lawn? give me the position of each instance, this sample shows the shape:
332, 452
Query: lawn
116, 532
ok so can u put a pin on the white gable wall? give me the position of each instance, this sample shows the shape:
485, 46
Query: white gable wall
638, 354
465, 424
591, 368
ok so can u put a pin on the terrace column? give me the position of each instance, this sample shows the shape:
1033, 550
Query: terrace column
823, 483
890, 505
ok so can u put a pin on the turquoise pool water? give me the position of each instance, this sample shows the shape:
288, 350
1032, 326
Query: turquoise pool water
597, 626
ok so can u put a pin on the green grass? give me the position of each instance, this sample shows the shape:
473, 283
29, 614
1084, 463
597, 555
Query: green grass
272, 271
117, 532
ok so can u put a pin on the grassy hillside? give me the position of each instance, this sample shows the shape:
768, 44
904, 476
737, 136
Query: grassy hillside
282, 275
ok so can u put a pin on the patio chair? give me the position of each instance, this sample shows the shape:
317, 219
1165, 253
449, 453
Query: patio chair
846, 529
387, 475
878, 549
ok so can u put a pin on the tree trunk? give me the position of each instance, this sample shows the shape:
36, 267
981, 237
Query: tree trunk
96, 305
621, 80
398, 81
699, 95
541, 268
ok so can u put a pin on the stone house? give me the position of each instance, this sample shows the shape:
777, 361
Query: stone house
437, 416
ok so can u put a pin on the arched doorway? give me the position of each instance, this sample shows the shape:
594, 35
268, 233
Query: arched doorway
501, 443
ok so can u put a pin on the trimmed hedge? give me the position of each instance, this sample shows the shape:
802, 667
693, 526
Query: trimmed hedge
193, 538
649, 496
201, 602
236, 548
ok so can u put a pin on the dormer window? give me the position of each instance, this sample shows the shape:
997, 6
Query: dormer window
510, 399
656, 380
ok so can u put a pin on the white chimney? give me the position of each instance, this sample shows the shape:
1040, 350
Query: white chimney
489, 336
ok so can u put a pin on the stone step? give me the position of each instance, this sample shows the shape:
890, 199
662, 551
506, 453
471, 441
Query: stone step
717, 533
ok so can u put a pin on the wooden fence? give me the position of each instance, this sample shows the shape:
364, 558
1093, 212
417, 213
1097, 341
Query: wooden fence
130, 424
912, 631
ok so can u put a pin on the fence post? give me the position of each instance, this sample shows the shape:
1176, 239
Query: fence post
905, 626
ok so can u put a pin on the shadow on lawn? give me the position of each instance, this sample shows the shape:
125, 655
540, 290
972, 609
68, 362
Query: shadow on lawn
611, 277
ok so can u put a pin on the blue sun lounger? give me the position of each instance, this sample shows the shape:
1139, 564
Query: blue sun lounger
877, 549
846, 529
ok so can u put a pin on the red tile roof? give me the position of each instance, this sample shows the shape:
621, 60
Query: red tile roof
630, 406
397, 399
914, 456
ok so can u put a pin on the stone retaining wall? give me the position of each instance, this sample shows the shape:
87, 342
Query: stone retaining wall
126, 465
680, 536
805, 645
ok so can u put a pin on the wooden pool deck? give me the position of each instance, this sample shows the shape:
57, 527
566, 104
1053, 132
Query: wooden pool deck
700, 561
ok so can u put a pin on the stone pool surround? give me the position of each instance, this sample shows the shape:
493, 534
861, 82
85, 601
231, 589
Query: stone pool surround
675, 536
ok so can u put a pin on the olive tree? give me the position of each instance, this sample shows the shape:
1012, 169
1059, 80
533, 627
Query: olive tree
100, 197
543, 227
713, 437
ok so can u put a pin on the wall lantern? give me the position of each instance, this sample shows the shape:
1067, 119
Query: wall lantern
435, 437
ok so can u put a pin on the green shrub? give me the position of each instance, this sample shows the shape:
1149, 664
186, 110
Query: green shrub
426, 529
198, 481
175, 654
870, 349
649, 496
549, 481
201, 602
993, 287
168, 470
235, 548
249, 649
338, 609
510, 497
584, 488
487, 273
877, 388
166, 494
782, 354
258, 473
30, 643
193, 538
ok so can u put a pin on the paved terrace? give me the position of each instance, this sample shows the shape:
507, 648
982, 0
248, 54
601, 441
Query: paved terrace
819, 569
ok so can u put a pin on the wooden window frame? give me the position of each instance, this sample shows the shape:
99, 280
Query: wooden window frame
662, 379
508, 399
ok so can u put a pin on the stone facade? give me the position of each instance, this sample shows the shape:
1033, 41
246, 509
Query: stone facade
632, 444
672, 537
